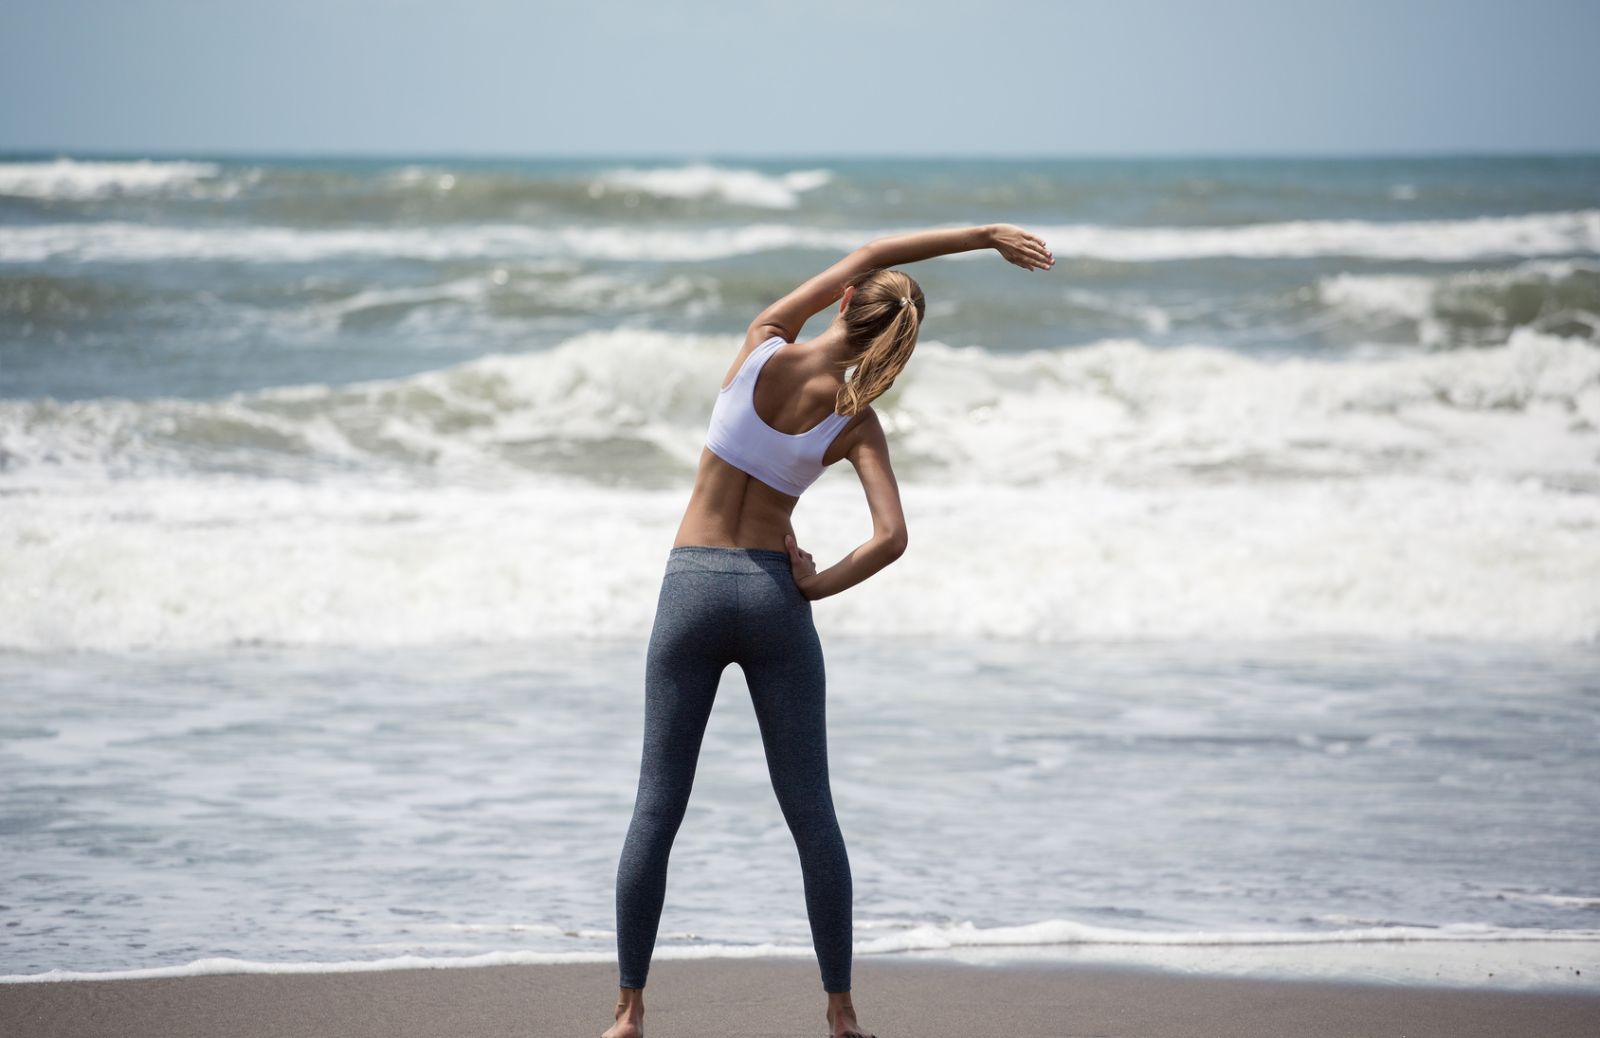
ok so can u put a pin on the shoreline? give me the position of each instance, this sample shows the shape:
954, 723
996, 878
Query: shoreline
780, 996
1550, 962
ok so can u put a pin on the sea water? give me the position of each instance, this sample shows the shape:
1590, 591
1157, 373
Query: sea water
1249, 622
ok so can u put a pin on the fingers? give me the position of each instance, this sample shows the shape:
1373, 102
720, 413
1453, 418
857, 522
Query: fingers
1039, 256
1025, 249
1029, 252
1035, 248
796, 553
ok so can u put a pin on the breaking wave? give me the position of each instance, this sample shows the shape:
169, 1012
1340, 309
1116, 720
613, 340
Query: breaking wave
1534, 235
1115, 491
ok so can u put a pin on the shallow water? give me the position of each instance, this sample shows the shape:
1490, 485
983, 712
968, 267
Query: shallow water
318, 805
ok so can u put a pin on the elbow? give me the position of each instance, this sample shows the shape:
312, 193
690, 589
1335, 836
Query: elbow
895, 543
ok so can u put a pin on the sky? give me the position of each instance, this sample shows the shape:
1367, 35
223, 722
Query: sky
692, 79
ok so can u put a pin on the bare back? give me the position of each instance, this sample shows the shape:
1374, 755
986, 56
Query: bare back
728, 507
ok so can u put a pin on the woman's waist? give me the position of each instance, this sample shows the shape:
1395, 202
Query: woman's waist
727, 558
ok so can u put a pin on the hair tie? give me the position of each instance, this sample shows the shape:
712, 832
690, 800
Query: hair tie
905, 300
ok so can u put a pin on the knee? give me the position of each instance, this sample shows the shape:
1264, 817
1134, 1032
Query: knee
807, 803
655, 822
663, 795
815, 828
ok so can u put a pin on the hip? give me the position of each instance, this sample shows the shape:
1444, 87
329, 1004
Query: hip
747, 587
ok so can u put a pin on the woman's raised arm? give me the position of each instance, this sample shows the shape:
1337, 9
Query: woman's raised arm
1015, 244
789, 314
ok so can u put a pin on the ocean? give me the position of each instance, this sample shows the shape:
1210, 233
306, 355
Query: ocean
1250, 621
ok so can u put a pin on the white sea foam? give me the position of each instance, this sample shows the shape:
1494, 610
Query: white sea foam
124, 241
1393, 295
703, 180
160, 564
1065, 931
1542, 294
633, 402
1034, 937
549, 286
471, 290
438, 179
1533, 235
1554, 900
1117, 491
76, 179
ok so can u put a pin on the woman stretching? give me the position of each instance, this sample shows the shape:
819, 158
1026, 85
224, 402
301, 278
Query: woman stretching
738, 588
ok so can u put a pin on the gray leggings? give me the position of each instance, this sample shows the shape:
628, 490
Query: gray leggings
720, 606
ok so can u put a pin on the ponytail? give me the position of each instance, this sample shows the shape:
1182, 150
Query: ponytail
882, 322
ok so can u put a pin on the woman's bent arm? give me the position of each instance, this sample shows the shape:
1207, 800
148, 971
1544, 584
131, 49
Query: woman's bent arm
855, 567
869, 453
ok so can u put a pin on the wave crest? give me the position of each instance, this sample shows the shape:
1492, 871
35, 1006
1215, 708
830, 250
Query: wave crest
701, 180
630, 407
78, 180
1534, 235
1444, 241
1474, 308
1116, 491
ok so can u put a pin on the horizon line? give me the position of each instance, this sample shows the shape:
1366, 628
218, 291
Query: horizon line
59, 152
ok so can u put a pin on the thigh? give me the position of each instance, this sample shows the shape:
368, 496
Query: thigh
688, 650
781, 656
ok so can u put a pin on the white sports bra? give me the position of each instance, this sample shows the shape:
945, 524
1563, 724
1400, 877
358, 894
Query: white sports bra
786, 462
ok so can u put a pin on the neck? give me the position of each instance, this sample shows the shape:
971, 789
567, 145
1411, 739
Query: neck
833, 346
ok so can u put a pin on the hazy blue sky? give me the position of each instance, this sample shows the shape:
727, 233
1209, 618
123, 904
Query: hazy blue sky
829, 77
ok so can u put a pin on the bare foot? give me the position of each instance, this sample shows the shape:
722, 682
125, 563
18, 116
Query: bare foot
842, 1018
629, 1016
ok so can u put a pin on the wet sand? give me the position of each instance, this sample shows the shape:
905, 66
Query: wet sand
777, 997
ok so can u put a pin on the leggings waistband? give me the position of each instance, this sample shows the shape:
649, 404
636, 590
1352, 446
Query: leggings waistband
710, 558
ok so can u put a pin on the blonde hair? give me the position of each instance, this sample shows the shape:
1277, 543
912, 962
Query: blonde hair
881, 325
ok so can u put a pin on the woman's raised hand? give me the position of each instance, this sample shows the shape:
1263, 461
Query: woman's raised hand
1027, 251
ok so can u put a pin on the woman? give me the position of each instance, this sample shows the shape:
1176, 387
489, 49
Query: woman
738, 588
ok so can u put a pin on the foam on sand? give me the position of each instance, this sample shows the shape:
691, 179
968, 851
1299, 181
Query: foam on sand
1198, 951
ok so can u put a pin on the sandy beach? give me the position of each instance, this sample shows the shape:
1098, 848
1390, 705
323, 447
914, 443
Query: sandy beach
896, 999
